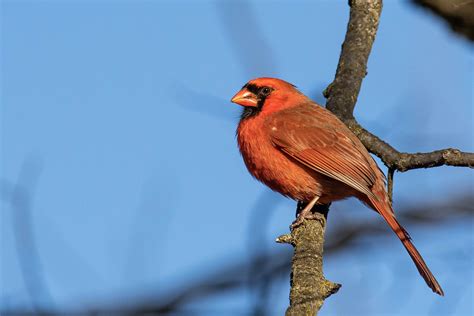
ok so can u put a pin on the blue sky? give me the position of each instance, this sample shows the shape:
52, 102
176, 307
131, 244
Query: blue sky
120, 110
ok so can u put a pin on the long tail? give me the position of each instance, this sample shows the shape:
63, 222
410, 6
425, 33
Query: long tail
384, 209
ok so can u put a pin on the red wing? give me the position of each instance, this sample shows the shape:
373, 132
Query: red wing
315, 138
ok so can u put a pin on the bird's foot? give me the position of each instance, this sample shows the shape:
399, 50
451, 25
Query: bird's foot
306, 214
301, 218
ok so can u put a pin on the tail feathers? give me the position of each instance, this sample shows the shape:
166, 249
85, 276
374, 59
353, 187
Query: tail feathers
423, 268
387, 213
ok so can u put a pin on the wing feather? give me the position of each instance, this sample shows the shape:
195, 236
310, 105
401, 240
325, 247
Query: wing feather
317, 139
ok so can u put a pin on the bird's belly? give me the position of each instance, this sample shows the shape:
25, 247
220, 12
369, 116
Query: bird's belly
284, 174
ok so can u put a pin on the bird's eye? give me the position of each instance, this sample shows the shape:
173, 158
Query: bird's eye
265, 91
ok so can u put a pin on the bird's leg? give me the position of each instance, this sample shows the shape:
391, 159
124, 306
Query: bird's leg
305, 213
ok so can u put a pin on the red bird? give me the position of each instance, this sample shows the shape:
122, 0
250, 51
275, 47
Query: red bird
304, 152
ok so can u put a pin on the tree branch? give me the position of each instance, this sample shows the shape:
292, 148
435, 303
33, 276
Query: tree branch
309, 287
307, 297
402, 161
342, 94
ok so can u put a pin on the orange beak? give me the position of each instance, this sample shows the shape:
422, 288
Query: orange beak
245, 98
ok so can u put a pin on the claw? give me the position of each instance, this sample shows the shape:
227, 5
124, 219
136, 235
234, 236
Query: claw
306, 213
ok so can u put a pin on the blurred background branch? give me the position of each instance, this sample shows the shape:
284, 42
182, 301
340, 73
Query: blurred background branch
19, 196
459, 14
275, 265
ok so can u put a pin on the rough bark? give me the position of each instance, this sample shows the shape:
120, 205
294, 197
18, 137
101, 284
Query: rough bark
363, 23
309, 287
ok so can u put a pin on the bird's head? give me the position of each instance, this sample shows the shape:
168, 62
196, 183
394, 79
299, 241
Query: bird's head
267, 95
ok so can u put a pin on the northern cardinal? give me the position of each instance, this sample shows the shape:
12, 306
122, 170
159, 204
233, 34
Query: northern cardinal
304, 152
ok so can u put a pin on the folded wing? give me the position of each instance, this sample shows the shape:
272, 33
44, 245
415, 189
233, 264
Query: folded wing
316, 139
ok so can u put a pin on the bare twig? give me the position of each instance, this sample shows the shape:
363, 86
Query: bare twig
390, 174
402, 161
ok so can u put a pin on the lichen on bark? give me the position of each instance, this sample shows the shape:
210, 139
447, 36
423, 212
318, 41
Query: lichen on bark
309, 287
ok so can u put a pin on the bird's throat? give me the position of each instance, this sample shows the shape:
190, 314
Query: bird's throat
250, 111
